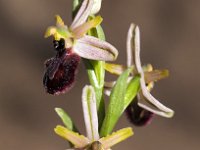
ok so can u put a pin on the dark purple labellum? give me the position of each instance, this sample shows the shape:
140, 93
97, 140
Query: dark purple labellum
60, 72
137, 115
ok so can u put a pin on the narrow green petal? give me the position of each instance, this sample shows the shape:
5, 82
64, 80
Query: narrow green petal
155, 75
97, 31
66, 119
59, 21
114, 68
116, 104
84, 28
116, 137
90, 113
79, 141
57, 32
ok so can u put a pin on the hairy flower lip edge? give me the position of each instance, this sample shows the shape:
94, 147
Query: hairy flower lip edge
51, 84
133, 39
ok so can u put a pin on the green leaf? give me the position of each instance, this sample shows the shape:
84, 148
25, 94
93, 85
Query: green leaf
67, 121
131, 91
116, 104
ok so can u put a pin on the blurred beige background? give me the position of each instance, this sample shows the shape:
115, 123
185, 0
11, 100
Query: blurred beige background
170, 38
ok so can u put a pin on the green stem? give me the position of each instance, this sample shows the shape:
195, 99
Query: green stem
95, 69
97, 82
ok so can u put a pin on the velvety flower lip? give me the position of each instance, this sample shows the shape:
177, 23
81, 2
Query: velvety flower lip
60, 73
138, 115
71, 43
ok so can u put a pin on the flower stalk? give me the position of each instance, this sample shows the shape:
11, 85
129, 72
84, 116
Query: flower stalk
85, 39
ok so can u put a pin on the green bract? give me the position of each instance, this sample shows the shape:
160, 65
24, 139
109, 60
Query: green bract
120, 97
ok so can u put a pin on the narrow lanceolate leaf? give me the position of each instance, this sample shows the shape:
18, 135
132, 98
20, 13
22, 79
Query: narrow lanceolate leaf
66, 119
93, 48
90, 113
131, 91
145, 94
116, 137
77, 140
116, 104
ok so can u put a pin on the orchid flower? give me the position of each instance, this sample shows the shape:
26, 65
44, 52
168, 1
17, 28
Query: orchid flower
147, 77
71, 43
92, 141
